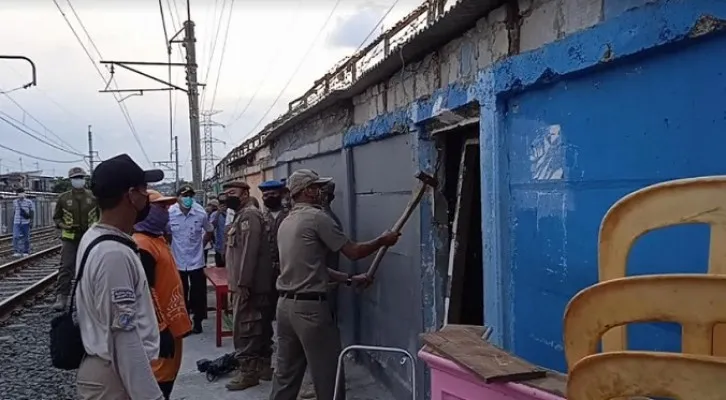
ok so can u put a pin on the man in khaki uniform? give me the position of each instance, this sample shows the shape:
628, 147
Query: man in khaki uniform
273, 215
306, 332
75, 212
250, 280
333, 262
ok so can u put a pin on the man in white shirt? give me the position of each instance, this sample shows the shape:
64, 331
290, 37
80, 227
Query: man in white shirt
190, 231
115, 310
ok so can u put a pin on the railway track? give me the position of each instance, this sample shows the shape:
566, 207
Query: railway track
8, 237
21, 280
39, 241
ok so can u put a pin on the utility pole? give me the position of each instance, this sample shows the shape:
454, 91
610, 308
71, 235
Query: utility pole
90, 150
209, 141
190, 45
192, 90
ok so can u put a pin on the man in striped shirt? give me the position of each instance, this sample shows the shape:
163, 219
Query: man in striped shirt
24, 211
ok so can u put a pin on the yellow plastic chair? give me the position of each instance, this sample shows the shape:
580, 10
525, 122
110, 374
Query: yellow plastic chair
624, 374
696, 301
683, 201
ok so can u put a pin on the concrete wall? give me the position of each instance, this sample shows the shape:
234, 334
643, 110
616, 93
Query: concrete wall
581, 101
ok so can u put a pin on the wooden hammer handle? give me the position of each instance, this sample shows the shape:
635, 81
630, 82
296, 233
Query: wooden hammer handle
397, 228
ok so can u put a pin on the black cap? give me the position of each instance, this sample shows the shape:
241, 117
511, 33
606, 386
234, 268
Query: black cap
185, 190
116, 175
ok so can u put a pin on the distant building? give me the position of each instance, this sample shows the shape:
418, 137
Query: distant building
31, 181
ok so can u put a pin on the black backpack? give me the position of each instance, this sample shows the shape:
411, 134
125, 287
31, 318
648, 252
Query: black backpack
66, 345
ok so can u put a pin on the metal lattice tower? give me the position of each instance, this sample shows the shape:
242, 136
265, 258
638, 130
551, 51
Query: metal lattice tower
209, 140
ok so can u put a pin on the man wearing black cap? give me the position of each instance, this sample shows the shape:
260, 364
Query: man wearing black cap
115, 310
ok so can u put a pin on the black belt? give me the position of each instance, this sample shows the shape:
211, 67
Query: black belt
304, 296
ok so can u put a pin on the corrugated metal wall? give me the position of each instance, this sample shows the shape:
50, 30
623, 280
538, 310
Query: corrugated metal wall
44, 207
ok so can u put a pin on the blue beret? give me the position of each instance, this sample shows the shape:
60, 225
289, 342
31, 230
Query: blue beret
271, 185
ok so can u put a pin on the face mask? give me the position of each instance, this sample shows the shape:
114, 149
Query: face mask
273, 202
78, 183
154, 223
143, 212
234, 203
187, 202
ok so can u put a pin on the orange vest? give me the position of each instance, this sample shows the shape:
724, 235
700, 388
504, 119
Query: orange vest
168, 290
168, 296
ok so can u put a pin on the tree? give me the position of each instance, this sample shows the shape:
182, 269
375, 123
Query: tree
61, 185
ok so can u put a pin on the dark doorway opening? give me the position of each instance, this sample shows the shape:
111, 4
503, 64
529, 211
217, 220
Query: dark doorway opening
465, 289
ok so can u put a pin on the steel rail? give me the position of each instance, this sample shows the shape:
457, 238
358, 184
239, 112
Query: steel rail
36, 231
8, 304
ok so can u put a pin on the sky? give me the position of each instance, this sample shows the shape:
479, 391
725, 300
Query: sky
267, 41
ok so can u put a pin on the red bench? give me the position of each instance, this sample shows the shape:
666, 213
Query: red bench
218, 278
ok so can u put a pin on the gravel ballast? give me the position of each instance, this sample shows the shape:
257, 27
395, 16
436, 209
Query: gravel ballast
25, 369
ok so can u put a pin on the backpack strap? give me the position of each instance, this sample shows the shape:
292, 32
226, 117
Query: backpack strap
107, 237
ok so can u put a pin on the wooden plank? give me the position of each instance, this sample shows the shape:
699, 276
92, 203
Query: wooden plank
465, 347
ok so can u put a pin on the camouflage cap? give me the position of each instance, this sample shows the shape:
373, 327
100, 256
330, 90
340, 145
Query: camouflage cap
303, 178
76, 172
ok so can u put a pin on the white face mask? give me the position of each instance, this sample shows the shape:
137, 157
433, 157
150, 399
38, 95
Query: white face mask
78, 183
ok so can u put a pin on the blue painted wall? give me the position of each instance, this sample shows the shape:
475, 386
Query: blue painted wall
568, 129
575, 148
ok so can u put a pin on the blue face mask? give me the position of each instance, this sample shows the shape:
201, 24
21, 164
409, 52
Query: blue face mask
187, 202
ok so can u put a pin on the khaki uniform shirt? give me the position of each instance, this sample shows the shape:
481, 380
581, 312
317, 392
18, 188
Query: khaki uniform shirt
248, 254
305, 238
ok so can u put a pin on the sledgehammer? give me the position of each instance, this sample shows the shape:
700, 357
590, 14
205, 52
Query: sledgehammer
426, 181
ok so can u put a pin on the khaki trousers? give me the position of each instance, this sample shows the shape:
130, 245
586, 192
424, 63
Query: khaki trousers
97, 380
67, 270
306, 335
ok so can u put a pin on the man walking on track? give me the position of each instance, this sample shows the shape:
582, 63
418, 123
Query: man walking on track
306, 332
23, 214
251, 283
272, 193
166, 290
116, 314
75, 211
190, 231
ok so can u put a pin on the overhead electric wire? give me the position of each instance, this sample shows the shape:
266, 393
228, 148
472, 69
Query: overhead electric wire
215, 38
26, 112
122, 106
224, 49
380, 21
167, 46
297, 69
40, 158
18, 126
271, 62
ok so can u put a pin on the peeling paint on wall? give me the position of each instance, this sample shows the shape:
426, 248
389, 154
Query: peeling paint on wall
548, 154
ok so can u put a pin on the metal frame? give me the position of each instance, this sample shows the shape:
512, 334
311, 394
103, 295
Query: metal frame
383, 349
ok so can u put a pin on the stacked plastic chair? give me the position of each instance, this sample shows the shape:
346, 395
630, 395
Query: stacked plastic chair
696, 301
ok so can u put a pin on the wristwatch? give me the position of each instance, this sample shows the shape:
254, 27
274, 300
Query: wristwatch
349, 281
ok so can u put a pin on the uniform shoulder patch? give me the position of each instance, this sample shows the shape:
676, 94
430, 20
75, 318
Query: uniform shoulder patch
123, 295
244, 225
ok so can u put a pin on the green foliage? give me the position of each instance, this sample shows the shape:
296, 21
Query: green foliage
61, 185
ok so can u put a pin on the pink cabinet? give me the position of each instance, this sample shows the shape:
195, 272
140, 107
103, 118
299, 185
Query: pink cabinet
449, 381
